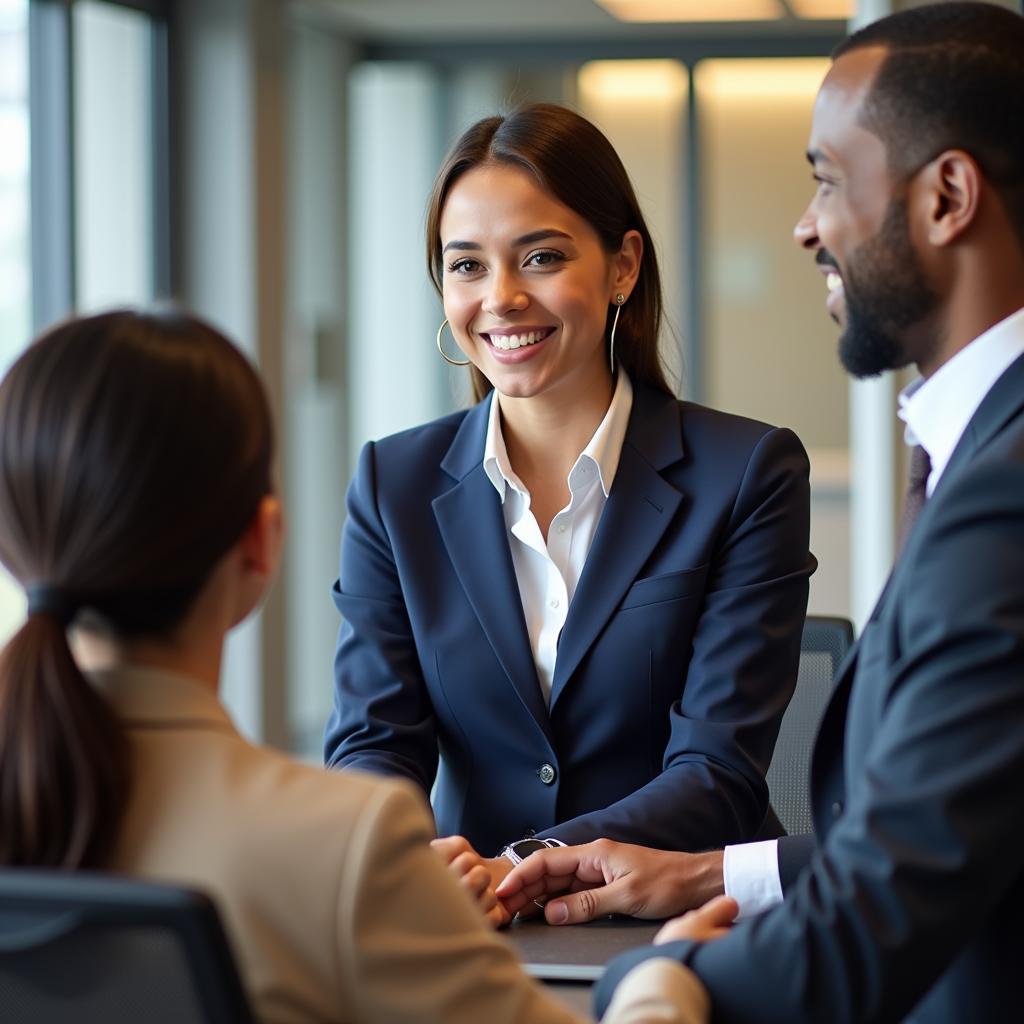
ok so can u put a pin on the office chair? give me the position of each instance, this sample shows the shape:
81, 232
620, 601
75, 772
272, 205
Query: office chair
823, 646
87, 948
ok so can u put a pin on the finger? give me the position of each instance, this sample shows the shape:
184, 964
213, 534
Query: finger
543, 887
486, 900
563, 861
465, 862
478, 882
585, 905
719, 912
449, 847
498, 916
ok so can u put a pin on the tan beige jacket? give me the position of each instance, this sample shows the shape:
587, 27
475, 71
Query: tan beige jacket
335, 905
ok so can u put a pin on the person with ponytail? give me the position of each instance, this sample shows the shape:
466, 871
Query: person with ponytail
137, 510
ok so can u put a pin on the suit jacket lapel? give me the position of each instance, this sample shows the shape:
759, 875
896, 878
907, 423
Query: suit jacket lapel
1003, 402
639, 508
473, 530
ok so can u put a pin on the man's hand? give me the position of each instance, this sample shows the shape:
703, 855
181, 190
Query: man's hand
709, 922
606, 877
479, 876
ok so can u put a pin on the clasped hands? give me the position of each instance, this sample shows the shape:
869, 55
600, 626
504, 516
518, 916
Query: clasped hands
579, 883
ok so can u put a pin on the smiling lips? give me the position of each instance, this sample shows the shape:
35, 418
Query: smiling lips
836, 301
508, 340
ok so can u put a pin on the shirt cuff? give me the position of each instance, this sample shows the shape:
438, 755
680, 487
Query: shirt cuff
751, 873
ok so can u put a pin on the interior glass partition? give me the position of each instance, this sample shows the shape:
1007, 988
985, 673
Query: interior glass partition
768, 347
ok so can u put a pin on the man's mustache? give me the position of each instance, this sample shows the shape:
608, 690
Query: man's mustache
825, 259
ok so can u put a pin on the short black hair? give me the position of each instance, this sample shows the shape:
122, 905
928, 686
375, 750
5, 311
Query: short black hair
953, 78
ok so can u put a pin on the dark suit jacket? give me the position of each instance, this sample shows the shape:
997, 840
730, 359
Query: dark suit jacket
676, 662
911, 900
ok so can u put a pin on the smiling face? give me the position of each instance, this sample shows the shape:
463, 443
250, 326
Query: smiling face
527, 285
858, 226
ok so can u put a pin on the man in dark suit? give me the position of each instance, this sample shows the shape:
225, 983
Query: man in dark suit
906, 903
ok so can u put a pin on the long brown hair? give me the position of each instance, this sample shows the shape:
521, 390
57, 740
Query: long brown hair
134, 451
572, 160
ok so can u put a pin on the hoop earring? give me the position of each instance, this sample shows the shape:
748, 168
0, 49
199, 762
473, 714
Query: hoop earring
619, 301
444, 356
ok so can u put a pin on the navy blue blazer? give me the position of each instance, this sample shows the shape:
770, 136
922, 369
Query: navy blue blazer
909, 904
675, 664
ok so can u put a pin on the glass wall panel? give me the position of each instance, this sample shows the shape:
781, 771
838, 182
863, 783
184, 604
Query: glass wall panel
15, 296
641, 105
113, 136
769, 348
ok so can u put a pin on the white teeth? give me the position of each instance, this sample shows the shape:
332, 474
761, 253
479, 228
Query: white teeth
510, 341
833, 281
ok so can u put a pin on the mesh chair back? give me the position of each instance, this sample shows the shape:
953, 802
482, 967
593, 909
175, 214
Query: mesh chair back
823, 646
94, 949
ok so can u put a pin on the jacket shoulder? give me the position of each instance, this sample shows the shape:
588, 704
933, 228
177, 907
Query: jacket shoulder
725, 438
427, 440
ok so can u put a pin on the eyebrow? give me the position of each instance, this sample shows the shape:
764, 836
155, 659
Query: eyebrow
529, 239
816, 156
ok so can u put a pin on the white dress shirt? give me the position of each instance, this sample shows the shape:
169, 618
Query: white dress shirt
936, 412
548, 573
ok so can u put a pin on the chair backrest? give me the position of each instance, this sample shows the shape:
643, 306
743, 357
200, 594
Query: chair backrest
823, 646
87, 948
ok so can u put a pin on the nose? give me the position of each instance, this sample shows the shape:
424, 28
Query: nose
805, 233
505, 294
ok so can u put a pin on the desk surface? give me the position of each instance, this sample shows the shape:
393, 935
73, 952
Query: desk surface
546, 950
551, 954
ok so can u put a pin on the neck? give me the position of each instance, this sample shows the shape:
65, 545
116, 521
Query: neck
983, 288
200, 661
545, 433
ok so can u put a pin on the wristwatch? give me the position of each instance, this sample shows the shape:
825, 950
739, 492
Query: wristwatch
518, 851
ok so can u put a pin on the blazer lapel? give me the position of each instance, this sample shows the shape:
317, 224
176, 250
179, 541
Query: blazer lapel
473, 530
639, 509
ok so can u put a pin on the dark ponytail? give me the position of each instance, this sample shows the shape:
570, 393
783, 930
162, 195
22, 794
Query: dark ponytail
134, 451
62, 758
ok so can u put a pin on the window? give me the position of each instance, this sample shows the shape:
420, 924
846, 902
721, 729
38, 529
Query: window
113, 136
15, 297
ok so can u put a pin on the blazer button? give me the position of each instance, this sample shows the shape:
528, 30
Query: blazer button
837, 809
547, 774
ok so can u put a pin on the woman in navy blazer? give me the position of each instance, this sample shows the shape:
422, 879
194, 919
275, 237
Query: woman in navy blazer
627, 680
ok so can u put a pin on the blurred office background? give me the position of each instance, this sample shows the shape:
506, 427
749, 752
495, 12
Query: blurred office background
267, 163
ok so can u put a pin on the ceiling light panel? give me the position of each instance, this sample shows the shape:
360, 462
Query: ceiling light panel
693, 10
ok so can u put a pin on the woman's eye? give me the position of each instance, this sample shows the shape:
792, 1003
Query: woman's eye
544, 258
463, 266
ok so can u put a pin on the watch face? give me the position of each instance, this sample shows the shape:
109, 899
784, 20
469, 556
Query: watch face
524, 847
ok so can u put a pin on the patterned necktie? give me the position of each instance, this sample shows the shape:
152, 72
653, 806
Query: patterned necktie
920, 470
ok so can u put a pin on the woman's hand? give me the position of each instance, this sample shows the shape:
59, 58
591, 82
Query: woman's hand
709, 922
479, 876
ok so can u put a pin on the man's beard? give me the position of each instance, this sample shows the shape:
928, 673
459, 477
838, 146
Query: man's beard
886, 292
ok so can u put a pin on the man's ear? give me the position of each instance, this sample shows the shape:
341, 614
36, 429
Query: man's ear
260, 545
954, 183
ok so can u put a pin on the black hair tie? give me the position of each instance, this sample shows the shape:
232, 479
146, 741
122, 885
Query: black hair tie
47, 599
